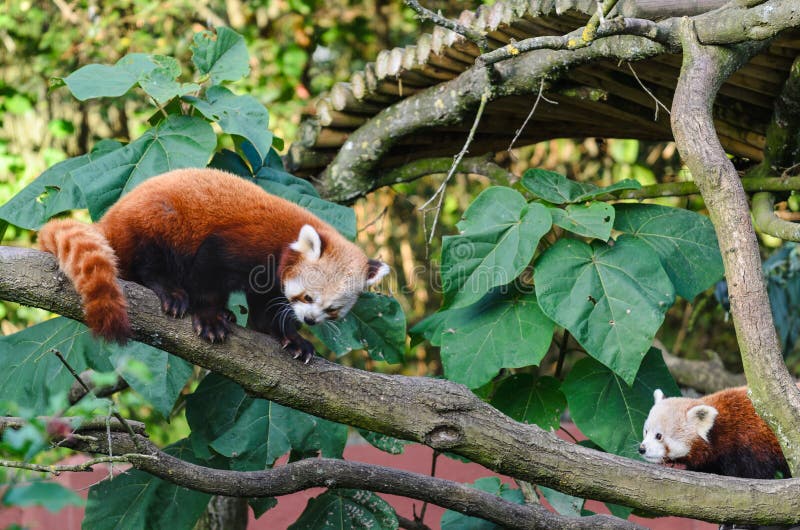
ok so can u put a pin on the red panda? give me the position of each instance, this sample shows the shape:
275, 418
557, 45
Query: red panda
719, 433
193, 236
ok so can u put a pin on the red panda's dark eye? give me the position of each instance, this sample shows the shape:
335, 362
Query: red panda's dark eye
658, 436
308, 299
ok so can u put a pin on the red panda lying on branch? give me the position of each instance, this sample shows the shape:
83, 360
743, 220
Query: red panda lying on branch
719, 433
195, 235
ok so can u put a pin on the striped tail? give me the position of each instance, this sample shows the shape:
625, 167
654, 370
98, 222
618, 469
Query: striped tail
86, 257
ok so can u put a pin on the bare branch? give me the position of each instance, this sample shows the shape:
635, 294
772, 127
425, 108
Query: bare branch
468, 33
83, 466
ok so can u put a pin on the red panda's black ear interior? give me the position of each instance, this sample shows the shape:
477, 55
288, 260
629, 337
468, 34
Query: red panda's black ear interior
308, 243
376, 270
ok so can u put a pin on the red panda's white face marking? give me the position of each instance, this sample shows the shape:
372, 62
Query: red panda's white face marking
672, 425
324, 283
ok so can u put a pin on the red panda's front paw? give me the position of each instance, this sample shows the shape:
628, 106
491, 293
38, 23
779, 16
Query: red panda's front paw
174, 302
299, 347
213, 325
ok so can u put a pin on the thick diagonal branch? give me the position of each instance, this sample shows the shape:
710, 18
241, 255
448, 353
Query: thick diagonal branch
438, 413
772, 389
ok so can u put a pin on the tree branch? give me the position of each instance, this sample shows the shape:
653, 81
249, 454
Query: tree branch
438, 413
328, 473
705, 376
766, 221
771, 387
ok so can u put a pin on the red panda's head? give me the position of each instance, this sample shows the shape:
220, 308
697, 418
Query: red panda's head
672, 425
324, 274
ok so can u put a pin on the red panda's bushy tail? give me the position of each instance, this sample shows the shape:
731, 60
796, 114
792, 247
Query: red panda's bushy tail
86, 257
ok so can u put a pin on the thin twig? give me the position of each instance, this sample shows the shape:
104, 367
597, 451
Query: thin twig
456, 161
599, 17
116, 414
424, 13
377, 218
539, 97
421, 518
658, 103
84, 466
562, 353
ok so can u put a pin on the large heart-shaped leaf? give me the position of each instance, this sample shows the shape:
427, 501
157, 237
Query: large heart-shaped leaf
176, 142
685, 242
612, 298
222, 56
591, 220
500, 331
340, 217
137, 500
609, 411
241, 115
499, 234
53, 192
100, 80
531, 399
558, 189
254, 432
167, 373
32, 373
376, 324
342, 509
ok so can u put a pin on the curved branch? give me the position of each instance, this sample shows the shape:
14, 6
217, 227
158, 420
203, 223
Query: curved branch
766, 221
772, 389
438, 413
334, 473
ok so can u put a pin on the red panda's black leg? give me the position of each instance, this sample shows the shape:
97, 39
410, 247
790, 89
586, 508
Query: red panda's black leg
211, 277
158, 269
269, 312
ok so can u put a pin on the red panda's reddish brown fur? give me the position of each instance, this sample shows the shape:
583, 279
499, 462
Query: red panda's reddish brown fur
89, 262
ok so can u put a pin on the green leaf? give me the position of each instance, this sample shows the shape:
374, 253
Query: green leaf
160, 84
391, 445
685, 242
32, 374
612, 298
563, 503
376, 324
590, 220
500, 331
168, 373
262, 505
458, 521
340, 217
177, 142
223, 56
237, 115
279, 176
342, 509
53, 192
609, 411
499, 234
254, 432
530, 399
558, 189
49, 495
230, 161
99, 80
137, 500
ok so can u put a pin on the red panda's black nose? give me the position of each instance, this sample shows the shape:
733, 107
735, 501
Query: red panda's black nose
309, 320
642, 450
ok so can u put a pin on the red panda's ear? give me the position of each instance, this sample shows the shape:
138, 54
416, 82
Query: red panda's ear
702, 418
375, 271
308, 243
658, 395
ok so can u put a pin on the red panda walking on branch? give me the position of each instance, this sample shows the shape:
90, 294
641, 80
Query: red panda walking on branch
719, 433
193, 236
